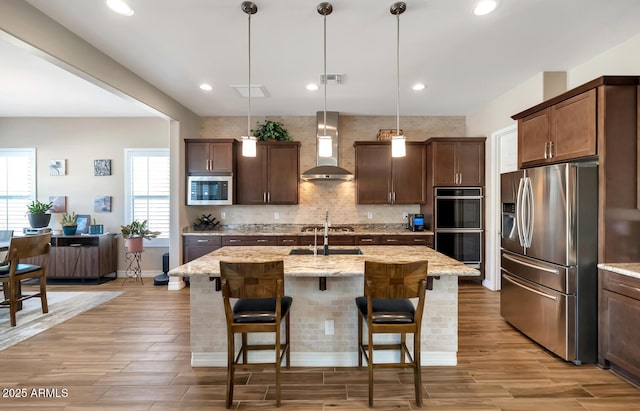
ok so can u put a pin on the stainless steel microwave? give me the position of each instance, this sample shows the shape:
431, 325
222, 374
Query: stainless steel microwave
210, 190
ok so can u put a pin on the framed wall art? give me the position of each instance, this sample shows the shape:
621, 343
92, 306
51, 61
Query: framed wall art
59, 204
102, 204
57, 167
101, 167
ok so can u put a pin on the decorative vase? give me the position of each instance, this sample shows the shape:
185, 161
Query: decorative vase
134, 244
69, 229
39, 220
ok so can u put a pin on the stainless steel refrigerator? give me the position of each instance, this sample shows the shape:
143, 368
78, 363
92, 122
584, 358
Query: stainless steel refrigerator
549, 257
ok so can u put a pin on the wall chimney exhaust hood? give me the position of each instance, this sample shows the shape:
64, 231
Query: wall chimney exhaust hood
327, 167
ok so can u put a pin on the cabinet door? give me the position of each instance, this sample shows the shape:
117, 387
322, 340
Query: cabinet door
534, 133
444, 163
470, 159
283, 174
76, 262
209, 158
408, 176
251, 177
620, 331
197, 158
373, 174
574, 127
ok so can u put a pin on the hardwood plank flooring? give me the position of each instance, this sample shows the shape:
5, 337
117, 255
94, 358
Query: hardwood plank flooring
132, 353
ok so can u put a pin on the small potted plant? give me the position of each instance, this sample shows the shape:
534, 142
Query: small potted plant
69, 223
134, 233
96, 228
271, 130
38, 214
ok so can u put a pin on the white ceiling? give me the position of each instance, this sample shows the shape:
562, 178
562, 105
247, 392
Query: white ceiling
464, 60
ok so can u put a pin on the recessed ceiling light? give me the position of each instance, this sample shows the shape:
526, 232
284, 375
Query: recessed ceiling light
120, 7
418, 87
485, 7
206, 87
312, 87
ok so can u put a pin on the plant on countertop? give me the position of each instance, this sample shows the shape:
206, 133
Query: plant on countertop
271, 130
36, 207
138, 229
69, 219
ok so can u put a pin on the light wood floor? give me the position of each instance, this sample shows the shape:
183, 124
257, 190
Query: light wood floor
132, 353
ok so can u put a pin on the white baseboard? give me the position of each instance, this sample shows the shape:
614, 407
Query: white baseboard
322, 359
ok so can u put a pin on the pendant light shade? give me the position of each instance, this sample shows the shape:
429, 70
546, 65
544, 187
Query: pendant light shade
398, 147
325, 143
248, 141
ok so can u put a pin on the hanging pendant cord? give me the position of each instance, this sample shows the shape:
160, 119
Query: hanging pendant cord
398, 75
325, 74
249, 82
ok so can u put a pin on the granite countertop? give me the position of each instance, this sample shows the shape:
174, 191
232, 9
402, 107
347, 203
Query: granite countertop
325, 266
628, 269
296, 229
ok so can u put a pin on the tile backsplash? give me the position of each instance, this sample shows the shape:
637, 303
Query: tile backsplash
337, 197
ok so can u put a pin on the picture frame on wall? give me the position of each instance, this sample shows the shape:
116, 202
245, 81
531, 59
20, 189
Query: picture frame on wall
83, 222
101, 167
59, 204
57, 167
102, 204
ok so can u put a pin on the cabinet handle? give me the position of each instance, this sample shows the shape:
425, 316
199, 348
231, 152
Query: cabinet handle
366, 240
202, 241
393, 197
235, 241
288, 241
261, 241
391, 240
268, 196
389, 196
419, 240
629, 287
546, 151
550, 149
264, 197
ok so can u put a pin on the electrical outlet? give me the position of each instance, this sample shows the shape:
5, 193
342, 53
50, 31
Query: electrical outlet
328, 327
370, 215
223, 215
276, 215
405, 215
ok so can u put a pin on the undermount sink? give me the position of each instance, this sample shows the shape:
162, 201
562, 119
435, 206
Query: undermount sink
332, 251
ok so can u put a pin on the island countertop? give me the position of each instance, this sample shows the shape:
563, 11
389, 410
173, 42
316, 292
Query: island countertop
325, 266
628, 269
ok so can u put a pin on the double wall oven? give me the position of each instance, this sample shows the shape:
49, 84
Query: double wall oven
459, 223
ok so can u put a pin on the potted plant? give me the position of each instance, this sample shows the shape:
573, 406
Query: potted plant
38, 214
96, 228
134, 233
271, 130
69, 223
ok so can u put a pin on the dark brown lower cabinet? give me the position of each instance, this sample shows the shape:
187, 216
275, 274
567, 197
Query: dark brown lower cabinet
619, 324
195, 246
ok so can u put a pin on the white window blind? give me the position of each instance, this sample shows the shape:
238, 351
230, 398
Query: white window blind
17, 186
147, 191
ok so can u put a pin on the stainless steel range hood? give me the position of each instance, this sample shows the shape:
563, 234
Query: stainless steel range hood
327, 167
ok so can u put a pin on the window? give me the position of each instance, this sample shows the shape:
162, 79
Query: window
147, 191
17, 186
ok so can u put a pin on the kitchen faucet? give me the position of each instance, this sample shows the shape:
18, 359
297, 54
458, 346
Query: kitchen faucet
326, 233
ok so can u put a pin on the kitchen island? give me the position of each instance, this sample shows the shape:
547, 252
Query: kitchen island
324, 322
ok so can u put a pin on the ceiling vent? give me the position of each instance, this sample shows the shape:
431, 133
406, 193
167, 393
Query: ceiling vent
332, 78
256, 90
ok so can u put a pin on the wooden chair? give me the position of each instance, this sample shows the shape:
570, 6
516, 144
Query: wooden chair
387, 309
260, 308
11, 274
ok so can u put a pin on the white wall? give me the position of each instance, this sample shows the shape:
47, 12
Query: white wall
79, 141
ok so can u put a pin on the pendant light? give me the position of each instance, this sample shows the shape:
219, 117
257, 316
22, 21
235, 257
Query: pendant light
248, 141
398, 148
325, 143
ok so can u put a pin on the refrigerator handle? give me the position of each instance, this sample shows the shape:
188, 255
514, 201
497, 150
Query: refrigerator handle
519, 213
530, 211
